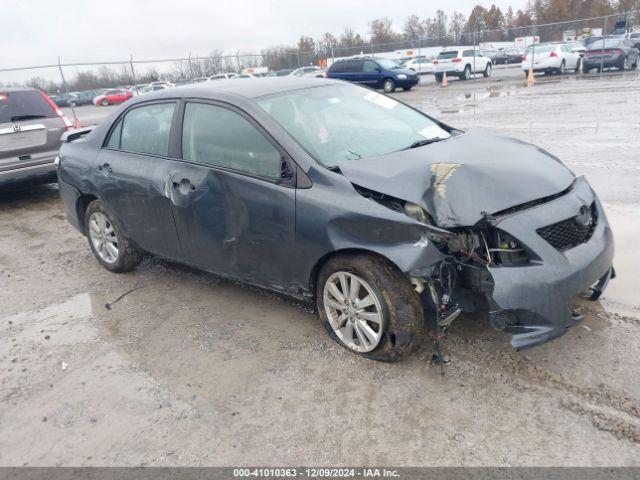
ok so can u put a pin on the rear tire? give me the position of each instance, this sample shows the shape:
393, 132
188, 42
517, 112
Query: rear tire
439, 77
466, 74
578, 65
380, 284
104, 103
487, 71
406, 89
388, 85
126, 256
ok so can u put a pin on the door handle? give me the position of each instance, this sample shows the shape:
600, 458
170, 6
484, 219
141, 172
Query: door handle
183, 186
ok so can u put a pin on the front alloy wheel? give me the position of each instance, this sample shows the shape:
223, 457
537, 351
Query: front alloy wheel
369, 306
389, 86
354, 311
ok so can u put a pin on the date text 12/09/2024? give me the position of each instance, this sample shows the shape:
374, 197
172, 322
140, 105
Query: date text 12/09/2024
317, 472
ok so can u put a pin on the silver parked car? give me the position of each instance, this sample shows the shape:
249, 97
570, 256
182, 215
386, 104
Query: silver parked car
30, 129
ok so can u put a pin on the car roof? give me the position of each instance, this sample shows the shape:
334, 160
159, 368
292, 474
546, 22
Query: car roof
16, 89
248, 89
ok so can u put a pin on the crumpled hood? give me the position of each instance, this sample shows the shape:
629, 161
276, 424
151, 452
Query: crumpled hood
459, 179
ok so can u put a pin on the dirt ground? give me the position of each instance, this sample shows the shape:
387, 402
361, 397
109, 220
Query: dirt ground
191, 369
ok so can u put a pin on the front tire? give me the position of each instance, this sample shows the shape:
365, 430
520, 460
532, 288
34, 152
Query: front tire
578, 67
104, 103
389, 86
369, 307
107, 241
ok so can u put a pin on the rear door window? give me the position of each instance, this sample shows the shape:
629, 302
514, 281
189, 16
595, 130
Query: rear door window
146, 129
220, 137
467, 53
23, 105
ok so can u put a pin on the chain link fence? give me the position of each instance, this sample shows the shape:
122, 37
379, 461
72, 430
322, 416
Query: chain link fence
65, 77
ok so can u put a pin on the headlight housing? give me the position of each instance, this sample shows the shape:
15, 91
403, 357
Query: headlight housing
402, 76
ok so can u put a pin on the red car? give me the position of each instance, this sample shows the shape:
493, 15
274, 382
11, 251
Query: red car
112, 97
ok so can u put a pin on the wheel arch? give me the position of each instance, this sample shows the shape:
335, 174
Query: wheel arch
315, 270
81, 207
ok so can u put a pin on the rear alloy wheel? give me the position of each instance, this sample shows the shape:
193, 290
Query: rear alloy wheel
389, 86
487, 71
578, 66
439, 77
466, 74
562, 68
104, 102
112, 249
369, 307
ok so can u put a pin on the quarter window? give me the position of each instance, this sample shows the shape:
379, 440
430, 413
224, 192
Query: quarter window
146, 130
220, 137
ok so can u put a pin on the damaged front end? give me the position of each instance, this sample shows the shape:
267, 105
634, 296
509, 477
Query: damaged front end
525, 264
518, 246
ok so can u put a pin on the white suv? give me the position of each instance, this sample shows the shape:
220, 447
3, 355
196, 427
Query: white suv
462, 63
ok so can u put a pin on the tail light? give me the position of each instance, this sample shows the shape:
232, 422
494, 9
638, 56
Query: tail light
435, 62
553, 54
456, 60
60, 113
523, 57
617, 51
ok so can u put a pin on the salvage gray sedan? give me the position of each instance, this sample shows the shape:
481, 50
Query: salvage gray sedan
331, 192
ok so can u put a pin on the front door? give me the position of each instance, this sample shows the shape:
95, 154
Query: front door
234, 213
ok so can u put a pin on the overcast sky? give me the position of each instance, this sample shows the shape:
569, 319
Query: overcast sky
38, 31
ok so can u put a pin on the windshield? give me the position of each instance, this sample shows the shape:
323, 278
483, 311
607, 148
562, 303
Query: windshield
540, 48
386, 63
345, 122
447, 55
23, 105
608, 43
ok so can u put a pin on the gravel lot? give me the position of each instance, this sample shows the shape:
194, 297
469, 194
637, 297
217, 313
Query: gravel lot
191, 369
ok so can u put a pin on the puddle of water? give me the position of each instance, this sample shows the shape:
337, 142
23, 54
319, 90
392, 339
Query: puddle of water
65, 323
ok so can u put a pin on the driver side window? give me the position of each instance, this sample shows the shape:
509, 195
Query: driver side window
217, 136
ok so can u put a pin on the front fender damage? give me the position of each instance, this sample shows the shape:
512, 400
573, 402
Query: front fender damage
502, 265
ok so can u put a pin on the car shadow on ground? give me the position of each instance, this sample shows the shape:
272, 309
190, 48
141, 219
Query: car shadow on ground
17, 196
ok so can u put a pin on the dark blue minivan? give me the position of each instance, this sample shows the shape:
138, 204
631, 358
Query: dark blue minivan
373, 72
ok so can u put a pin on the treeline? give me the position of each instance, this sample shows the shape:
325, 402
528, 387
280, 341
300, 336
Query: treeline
480, 25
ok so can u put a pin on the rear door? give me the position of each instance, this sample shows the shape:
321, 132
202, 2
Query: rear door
234, 211
30, 129
354, 71
132, 174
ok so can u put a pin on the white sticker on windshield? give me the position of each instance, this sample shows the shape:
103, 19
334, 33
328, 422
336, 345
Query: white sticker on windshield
430, 131
384, 102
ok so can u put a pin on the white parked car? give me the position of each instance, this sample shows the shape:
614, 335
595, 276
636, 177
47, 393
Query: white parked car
551, 58
462, 63
222, 76
307, 72
420, 65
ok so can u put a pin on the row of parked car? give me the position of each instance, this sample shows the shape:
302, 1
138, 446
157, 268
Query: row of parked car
595, 53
